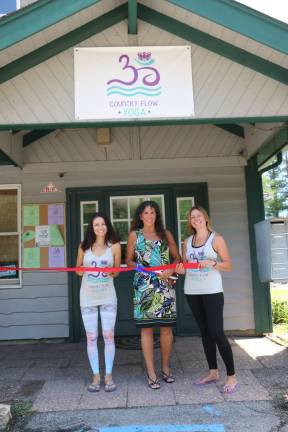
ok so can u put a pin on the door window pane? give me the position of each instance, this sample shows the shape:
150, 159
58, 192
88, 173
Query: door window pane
120, 208
183, 206
122, 230
87, 208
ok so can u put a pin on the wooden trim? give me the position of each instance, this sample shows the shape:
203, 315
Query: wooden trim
241, 19
255, 210
36, 17
216, 45
150, 122
273, 146
132, 17
35, 135
62, 43
233, 129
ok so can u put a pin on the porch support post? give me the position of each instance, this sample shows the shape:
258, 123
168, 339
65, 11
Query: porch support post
132, 17
255, 208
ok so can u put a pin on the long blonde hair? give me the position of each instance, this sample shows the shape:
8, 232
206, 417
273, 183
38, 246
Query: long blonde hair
205, 214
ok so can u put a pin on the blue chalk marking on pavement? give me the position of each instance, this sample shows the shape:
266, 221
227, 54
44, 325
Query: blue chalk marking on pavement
211, 410
164, 428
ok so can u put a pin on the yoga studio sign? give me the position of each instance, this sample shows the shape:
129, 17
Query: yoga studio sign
133, 83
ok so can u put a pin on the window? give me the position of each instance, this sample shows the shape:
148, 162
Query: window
183, 206
122, 209
87, 208
10, 234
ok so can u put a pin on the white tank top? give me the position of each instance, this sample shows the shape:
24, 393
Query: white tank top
206, 280
97, 288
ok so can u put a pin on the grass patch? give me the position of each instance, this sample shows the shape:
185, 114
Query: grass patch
20, 409
279, 300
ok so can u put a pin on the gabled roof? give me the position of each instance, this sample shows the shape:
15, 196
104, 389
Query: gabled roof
228, 13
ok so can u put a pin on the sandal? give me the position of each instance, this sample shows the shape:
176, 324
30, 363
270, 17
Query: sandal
110, 387
153, 384
168, 378
93, 388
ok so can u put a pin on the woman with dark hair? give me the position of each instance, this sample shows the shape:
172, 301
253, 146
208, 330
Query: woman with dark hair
149, 244
100, 248
204, 293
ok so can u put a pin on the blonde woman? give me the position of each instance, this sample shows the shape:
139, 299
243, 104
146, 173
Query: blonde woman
204, 293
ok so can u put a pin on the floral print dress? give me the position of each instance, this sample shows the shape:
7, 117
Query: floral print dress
154, 299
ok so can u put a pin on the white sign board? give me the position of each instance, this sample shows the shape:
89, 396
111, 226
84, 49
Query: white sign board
133, 83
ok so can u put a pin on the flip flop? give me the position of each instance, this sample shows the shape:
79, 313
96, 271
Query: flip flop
230, 389
199, 382
168, 378
110, 387
94, 388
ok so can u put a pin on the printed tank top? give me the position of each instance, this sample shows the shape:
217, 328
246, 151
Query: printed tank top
97, 288
206, 280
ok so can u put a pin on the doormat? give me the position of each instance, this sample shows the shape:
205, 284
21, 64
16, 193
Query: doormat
133, 342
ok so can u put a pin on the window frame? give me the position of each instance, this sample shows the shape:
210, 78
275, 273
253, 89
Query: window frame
15, 283
179, 220
82, 203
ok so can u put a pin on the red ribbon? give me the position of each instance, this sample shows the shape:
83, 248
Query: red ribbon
101, 269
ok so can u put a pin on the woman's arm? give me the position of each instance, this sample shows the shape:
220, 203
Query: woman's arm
180, 268
173, 250
79, 261
116, 251
221, 248
130, 251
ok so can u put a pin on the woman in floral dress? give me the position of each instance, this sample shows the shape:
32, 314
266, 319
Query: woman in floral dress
149, 244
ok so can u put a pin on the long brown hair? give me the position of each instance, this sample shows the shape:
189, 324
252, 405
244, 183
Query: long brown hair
137, 223
206, 216
90, 236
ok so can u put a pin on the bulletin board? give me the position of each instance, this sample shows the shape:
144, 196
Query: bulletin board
43, 235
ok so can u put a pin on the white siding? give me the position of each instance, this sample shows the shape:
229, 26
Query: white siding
46, 294
217, 31
222, 89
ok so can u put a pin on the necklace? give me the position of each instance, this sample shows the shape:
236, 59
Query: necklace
198, 251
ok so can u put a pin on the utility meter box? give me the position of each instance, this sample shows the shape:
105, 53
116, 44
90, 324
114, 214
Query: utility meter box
272, 249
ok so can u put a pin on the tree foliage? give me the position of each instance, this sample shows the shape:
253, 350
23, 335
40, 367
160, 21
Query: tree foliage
275, 189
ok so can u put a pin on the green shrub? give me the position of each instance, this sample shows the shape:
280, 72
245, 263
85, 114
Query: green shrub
280, 311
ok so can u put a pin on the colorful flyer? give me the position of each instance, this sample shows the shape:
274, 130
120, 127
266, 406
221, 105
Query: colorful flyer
56, 257
55, 214
31, 257
56, 236
28, 236
42, 236
31, 215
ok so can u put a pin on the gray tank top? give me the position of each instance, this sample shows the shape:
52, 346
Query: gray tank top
97, 288
206, 280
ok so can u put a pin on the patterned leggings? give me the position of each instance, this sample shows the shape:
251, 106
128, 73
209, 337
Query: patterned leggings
90, 320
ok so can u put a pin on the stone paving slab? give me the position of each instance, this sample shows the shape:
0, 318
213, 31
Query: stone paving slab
60, 395
187, 393
250, 389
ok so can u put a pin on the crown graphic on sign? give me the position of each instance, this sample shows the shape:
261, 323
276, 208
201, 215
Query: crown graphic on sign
144, 56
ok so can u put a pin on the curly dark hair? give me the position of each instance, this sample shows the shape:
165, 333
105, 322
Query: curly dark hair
138, 224
90, 237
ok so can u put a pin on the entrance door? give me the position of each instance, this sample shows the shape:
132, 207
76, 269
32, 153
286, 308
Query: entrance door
119, 203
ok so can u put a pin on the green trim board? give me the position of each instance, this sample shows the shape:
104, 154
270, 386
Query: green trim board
255, 209
241, 19
211, 43
233, 129
5, 160
35, 135
132, 16
61, 44
147, 14
36, 17
139, 122
273, 146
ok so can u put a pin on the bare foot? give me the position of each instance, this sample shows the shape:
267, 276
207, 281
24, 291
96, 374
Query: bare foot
213, 375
